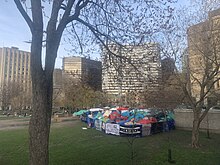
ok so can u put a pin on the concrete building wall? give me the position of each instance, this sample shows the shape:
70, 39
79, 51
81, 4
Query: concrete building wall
15, 67
15, 75
184, 120
15, 71
72, 64
57, 78
167, 67
85, 70
92, 73
203, 49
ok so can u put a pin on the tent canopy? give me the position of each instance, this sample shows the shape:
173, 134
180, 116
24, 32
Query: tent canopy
80, 112
122, 108
95, 109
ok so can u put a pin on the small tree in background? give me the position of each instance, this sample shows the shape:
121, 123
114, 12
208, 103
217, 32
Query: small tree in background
14, 96
5, 97
78, 93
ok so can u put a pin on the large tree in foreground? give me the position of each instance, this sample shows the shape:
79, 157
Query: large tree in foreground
108, 21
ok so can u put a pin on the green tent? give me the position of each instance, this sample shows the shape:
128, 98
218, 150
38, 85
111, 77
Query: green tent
80, 112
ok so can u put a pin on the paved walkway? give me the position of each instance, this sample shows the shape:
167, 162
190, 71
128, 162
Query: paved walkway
24, 122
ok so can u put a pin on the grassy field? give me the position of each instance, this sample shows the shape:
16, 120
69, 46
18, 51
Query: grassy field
71, 145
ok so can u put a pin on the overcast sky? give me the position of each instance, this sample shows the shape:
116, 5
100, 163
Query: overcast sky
14, 30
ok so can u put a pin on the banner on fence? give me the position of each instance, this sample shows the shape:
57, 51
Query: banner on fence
132, 130
112, 129
146, 129
98, 125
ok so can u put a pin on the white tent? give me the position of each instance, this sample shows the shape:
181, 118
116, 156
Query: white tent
95, 109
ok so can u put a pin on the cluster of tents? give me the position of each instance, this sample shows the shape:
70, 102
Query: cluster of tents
129, 122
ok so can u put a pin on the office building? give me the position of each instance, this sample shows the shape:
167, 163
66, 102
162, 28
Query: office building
168, 68
130, 70
84, 70
204, 54
14, 74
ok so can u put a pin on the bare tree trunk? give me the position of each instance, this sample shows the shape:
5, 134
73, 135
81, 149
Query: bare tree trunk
42, 90
195, 131
207, 131
39, 127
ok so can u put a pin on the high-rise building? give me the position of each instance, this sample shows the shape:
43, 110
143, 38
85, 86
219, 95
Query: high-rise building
130, 69
86, 70
204, 54
15, 66
168, 68
14, 71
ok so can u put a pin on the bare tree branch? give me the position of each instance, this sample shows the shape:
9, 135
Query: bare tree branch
24, 14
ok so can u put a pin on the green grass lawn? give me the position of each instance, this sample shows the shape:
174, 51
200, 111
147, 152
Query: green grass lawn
71, 145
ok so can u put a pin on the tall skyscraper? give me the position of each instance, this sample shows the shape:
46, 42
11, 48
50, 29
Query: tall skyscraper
86, 70
130, 69
14, 72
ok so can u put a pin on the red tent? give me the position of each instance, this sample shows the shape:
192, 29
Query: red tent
122, 108
114, 115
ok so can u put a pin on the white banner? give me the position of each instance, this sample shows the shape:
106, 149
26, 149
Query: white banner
98, 125
146, 129
112, 129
